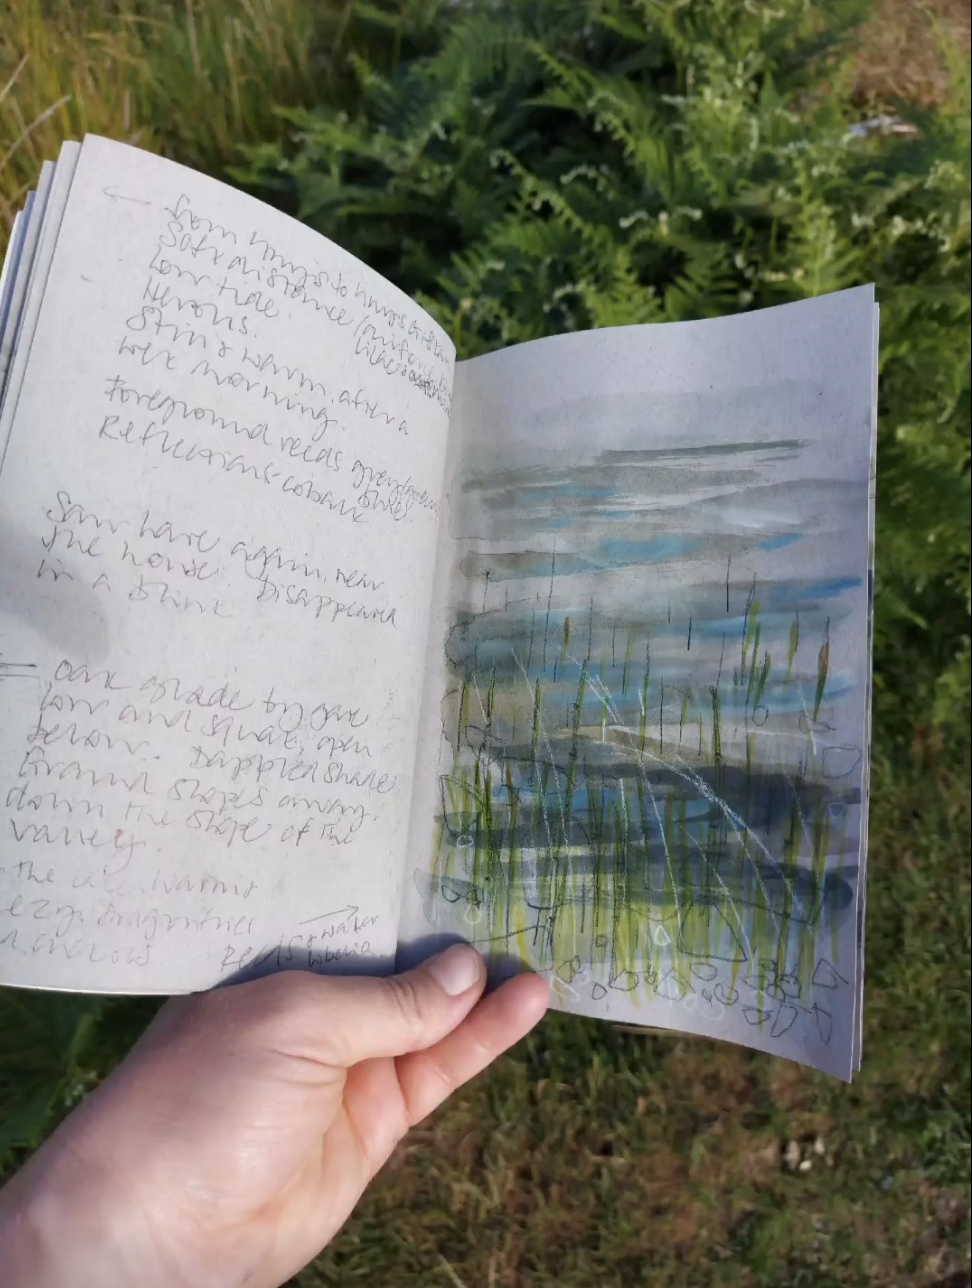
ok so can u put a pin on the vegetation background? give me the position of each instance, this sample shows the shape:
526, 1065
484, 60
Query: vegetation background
536, 166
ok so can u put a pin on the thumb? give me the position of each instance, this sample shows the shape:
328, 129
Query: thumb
407, 1012
342, 1020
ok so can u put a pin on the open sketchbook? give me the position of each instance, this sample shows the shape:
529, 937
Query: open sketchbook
318, 651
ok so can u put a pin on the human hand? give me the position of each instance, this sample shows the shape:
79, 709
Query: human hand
238, 1135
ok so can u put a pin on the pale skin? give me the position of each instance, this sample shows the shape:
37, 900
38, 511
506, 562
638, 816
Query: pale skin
236, 1138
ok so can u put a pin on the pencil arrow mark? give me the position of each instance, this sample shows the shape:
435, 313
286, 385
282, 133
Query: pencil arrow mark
18, 671
349, 911
112, 192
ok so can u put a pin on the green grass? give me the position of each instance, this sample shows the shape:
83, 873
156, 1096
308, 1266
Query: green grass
593, 1156
197, 80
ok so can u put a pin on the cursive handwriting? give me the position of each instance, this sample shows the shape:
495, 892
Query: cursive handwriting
253, 770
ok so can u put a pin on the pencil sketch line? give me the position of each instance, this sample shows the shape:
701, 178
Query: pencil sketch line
712, 797
606, 697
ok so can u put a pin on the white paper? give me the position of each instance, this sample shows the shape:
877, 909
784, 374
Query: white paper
647, 683
11, 260
31, 283
219, 515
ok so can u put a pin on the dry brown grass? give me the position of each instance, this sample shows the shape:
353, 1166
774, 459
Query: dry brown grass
905, 51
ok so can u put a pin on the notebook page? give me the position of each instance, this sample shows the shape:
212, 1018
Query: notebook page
32, 278
10, 261
16, 286
647, 685
33, 213
869, 697
19, 287
219, 514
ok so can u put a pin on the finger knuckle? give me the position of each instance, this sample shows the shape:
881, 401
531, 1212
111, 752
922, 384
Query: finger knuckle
406, 999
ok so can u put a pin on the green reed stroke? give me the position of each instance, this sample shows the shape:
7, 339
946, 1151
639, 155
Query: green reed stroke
609, 914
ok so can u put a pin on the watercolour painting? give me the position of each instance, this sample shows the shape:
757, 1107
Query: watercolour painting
650, 709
